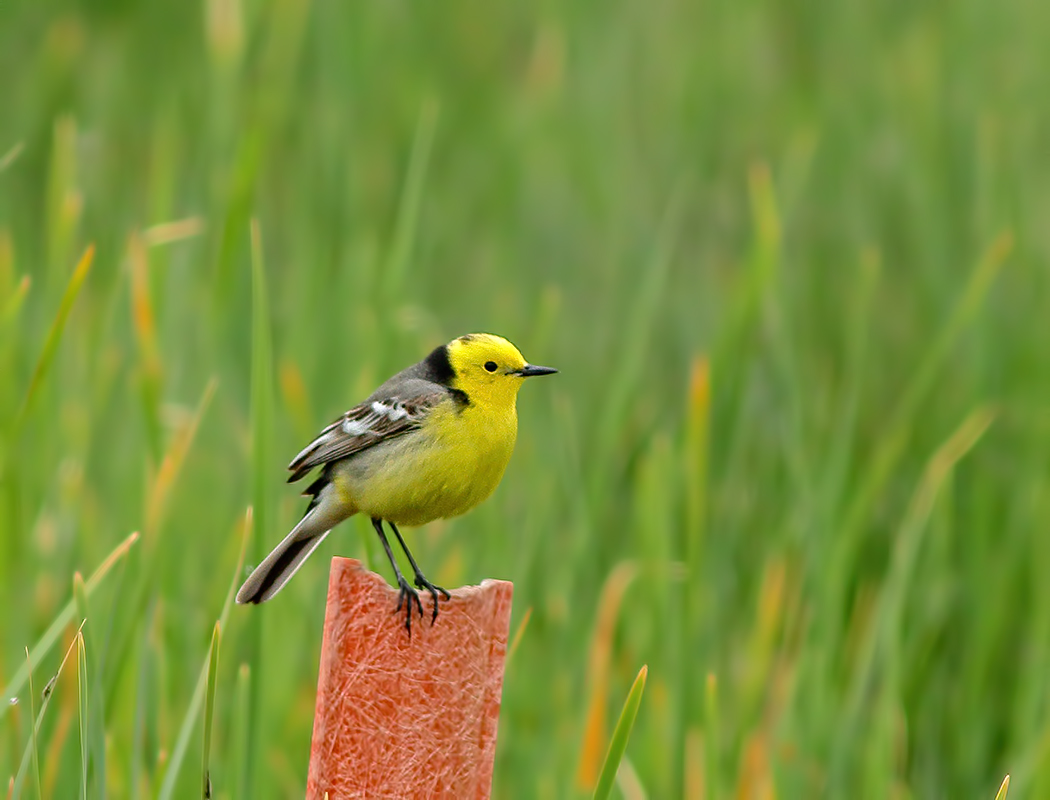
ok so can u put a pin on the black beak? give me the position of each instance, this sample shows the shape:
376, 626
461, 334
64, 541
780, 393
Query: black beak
531, 370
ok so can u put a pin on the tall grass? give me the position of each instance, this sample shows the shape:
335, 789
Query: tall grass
790, 259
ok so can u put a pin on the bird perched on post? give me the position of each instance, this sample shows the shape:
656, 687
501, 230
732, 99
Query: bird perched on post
430, 443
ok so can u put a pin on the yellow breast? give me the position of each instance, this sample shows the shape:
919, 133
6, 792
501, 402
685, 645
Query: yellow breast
442, 470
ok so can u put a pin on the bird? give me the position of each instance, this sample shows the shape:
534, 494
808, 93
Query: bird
431, 442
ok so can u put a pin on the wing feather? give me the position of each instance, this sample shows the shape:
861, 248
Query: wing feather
365, 426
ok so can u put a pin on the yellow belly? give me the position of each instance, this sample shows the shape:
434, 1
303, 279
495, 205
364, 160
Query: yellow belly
441, 472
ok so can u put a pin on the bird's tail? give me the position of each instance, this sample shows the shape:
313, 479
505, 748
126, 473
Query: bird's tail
284, 560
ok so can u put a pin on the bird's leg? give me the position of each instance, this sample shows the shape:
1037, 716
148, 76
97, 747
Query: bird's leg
406, 592
421, 581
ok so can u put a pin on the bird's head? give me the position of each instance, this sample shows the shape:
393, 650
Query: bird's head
489, 368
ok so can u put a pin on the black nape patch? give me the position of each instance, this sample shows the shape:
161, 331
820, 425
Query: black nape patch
439, 367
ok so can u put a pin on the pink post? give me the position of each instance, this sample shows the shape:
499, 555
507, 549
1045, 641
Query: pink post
400, 717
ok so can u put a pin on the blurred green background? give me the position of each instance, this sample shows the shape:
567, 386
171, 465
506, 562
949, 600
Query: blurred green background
792, 260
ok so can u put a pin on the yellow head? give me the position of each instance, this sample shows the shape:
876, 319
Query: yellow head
489, 368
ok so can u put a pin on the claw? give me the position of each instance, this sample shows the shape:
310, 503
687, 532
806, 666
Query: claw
423, 583
411, 594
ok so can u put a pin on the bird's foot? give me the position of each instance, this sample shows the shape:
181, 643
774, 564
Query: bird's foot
423, 583
406, 597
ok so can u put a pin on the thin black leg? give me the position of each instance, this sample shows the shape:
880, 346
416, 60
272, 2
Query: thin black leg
421, 581
405, 592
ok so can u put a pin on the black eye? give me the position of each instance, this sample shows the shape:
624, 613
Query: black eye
491, 366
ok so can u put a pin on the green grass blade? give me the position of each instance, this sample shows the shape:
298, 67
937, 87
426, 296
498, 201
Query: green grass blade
30, 756
761, 270
239, 732
54, 630
93, 706
140, 736
151, 378
636, 332
83, 689
966, 307
261, 391
695, 591
262, 468
33, 746
82, 696
182, 741
620, 736
65, 202
76, 281
209, 710
408, 209
881, 643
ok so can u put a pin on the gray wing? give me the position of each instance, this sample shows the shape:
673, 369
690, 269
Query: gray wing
368, 424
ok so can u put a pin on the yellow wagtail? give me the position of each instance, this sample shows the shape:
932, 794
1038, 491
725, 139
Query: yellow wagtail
430, 443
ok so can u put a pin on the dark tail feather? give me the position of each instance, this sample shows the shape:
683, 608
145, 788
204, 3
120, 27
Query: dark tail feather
277, 568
